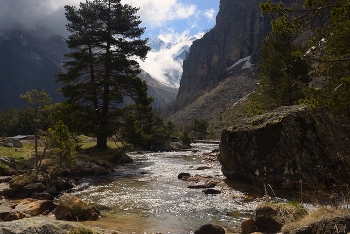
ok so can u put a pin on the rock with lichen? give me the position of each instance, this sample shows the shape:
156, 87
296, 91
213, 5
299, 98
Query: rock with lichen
283, 147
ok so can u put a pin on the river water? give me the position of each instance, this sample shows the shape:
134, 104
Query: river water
147, 197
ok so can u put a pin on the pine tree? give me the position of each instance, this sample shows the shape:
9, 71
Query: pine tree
325, 26
101, 81
61, 143
283, 73
36, 99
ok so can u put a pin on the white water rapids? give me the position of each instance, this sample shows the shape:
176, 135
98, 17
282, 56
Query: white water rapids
147, 197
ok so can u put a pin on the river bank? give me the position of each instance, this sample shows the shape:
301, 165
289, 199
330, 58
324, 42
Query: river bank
149, 195
148, 190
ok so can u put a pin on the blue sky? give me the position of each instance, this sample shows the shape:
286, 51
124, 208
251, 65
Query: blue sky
176, 16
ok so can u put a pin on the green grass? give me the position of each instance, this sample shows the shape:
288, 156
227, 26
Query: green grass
24, 156
112, 145
26, 150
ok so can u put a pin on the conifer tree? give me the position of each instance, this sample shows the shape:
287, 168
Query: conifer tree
283, 73
325, 26
36, 99
101, 83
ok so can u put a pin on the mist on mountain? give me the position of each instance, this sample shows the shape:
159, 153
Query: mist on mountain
29, 14
164, 61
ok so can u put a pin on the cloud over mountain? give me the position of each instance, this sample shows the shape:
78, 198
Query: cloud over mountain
33, 13
164, 61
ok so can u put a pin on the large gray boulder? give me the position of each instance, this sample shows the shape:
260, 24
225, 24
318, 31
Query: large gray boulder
12, 143
88, 169
8, 161
283, 147
38, 225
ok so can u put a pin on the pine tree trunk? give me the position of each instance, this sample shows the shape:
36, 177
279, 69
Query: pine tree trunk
101, 141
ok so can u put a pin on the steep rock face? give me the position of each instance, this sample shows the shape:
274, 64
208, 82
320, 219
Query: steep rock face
285, 146
212, 104
239, 30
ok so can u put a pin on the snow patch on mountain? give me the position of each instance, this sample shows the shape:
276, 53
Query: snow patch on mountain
247, 64
164, 61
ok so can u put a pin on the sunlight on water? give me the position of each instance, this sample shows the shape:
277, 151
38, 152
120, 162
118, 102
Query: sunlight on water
147, 197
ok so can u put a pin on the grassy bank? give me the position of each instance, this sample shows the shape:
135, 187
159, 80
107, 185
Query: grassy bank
85, 150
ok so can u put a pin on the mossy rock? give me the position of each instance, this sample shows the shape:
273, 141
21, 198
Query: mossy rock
270, 217
81, 230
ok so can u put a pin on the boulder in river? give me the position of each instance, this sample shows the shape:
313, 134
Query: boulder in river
285, 146
210, 229
270, 217
183, 176
198, 182
211, 191
73, 208
249, 226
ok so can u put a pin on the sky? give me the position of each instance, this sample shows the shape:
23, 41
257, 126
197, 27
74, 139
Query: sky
160, 17
170, 20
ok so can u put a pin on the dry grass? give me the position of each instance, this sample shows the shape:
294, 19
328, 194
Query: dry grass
284, 212
315, 216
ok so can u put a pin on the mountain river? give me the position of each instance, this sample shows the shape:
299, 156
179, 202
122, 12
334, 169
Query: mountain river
147, 197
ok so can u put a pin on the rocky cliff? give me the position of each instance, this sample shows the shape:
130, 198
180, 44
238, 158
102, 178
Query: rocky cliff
239, 29
220, 68
285, 146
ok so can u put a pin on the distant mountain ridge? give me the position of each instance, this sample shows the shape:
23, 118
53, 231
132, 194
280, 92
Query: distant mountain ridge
29, 60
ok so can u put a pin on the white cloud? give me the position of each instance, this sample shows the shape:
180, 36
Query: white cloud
156, 13
210, 14
161, 64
